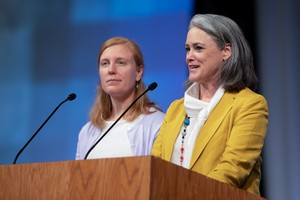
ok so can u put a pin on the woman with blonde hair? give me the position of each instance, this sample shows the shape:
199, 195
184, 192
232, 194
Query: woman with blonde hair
121, 68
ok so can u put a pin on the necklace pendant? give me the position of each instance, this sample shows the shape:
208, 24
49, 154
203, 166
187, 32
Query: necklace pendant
183, 134
186, 122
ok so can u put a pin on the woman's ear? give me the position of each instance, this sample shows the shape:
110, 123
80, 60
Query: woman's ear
227, 51
139, 72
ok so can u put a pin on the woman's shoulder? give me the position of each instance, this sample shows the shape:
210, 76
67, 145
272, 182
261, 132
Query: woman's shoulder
89, 129
88, 125
155, 113
176, 104
155, 119
249, 97
250, 94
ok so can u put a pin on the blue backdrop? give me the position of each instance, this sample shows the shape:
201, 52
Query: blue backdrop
49, 50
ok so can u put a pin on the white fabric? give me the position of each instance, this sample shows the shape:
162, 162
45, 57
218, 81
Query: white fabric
115, 143
198, 111
141, 135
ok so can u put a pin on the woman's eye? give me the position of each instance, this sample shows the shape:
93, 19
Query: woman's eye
121, 63
104, 64
198, 48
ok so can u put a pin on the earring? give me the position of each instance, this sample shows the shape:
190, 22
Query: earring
137, 85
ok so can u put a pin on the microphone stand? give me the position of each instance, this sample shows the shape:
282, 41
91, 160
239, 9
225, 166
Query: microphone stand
152, 86
71, 97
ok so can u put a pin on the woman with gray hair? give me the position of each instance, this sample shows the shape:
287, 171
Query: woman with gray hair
219, 126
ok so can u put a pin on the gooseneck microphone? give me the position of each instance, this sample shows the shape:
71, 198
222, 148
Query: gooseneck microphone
151, 87
71, 97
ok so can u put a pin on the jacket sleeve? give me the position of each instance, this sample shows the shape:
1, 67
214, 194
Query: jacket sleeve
249, 120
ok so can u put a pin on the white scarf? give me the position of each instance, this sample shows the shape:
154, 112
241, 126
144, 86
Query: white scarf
198, 111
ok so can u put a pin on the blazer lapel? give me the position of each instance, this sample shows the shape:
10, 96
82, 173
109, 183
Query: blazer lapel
211, 125
173, 132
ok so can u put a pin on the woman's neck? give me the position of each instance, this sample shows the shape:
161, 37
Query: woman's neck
119, 106
207, 91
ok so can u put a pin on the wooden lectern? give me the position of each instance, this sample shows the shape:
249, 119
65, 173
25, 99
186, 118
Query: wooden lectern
144, 177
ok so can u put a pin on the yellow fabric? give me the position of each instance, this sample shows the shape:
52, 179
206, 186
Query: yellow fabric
228, 147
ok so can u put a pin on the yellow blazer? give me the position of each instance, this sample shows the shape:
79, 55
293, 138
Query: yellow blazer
228, 147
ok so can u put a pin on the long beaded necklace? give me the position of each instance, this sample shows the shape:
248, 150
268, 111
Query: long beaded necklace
183, 134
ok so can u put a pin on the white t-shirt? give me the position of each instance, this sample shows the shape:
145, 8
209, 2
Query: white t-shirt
115, 143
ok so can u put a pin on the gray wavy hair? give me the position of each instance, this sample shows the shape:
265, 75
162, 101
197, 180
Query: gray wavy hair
238, 71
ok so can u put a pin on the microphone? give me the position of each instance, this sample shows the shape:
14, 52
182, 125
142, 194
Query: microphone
71, 97
151, 87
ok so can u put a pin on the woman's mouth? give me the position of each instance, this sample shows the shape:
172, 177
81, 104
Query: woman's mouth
194, 66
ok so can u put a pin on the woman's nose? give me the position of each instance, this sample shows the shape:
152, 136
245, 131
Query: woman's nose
111, 69
189, 56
